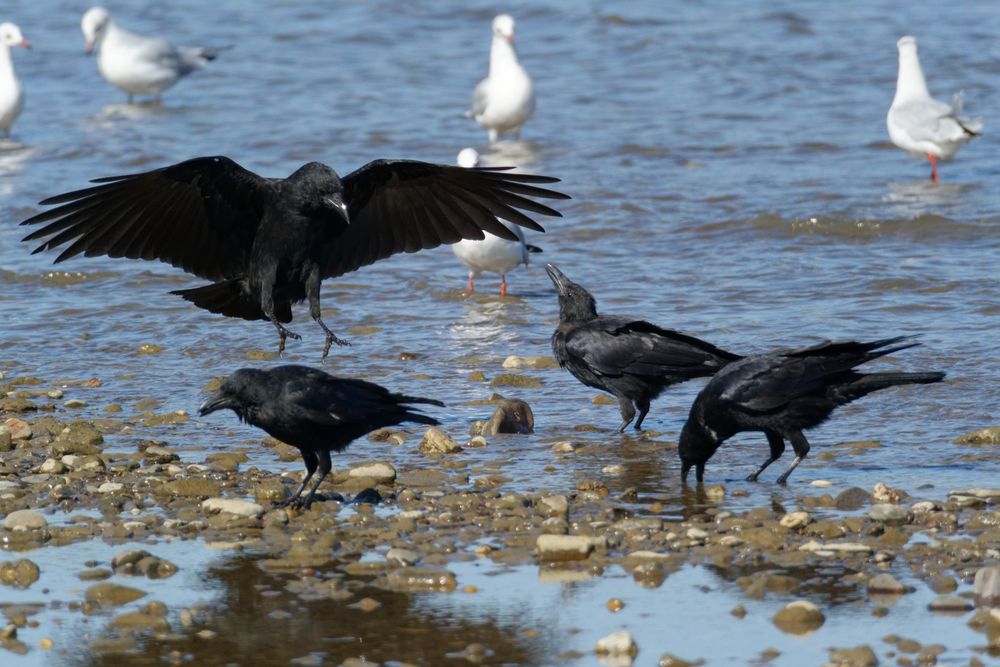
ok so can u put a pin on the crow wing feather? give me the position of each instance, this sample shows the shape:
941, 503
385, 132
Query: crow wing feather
200, 215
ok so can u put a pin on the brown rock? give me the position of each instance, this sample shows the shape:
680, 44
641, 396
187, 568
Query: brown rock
799, 617
859, 656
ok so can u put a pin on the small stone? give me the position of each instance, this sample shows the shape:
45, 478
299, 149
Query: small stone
52, 467
985, 436
24, 520
987, 583
436, 441
853, 498
615, 605
716, 492
554, 505
156, 454
19, 573
366, 605
697, 534
822, 483
74, 403
414, 579
950, 603
236, 506
112, 595
515, 362
402, 556
110, 487
668, 660
476, 442
887, 513
799, 617
18, 428
510, 416
859, 656
45, 644
564, 547
515, 380
618, 643
923, 507
564, 447
739, 611
884, 494
206, 634
378, 472
886, 584
6, 442
614, 469
838, 547
796, 520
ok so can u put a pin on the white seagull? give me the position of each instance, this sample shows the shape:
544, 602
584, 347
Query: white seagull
505, 99
492, 253
918, 123
11, 95
136, 64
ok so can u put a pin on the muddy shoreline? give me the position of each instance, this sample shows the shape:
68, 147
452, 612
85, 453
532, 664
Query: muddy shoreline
362, 570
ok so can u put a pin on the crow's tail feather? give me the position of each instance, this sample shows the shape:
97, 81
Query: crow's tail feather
870, 382
229, 298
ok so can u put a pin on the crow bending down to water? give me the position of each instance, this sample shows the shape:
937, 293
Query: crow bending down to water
313, 411
631, 359
268, 243
782, 394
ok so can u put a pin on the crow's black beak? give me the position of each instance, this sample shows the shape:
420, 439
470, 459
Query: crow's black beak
217, 401
338, 203
558, 279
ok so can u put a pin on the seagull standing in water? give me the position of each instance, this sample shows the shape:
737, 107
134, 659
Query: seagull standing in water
11, 95
136, 64
505, 99
493, 254
918, 123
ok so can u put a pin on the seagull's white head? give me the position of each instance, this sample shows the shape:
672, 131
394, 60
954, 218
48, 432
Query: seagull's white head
93, 24
907, 44
468, 158
503, 26
10, 35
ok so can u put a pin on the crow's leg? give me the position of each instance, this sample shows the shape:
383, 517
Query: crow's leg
311, 462
324, 469
801, 447
267, 305
933, 160
312, 290
627, 410
503, 284
643, 405
777, 445
699, 472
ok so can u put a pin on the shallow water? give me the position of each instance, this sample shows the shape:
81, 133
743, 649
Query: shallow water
730, 173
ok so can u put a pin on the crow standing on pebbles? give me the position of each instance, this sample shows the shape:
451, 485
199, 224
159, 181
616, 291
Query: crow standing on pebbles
782, 394
268, 243
630, 359
312, 411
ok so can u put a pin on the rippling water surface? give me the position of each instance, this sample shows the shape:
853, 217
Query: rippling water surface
730, 172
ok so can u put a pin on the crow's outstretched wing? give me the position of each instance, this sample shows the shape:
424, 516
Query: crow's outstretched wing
405, 206
200, 215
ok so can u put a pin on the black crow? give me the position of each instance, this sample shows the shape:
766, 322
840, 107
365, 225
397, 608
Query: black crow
313, 411
782, 394
268, 243
628, 358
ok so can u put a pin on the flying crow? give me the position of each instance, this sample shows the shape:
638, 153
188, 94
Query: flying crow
268, 243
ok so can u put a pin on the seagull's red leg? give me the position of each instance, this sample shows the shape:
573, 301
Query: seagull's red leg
503, 284
934, 176
471, 287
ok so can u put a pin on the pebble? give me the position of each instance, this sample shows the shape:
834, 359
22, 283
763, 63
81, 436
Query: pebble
24, 520
796, 520
19, 573
923, 507
668, 660
18, 428
950, 603
618, 643
514, 362
822, 483
885, 494
402, 556
853, 498
886, 584
6, 442
564, 447
843, 547
615, 469
615, 605
859, 656
554, 505
984, 436
413, 579
436, 441
236, 506
378, 472
888, 513
799, 617
564, 547
110, 487
987, 583
112, 595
